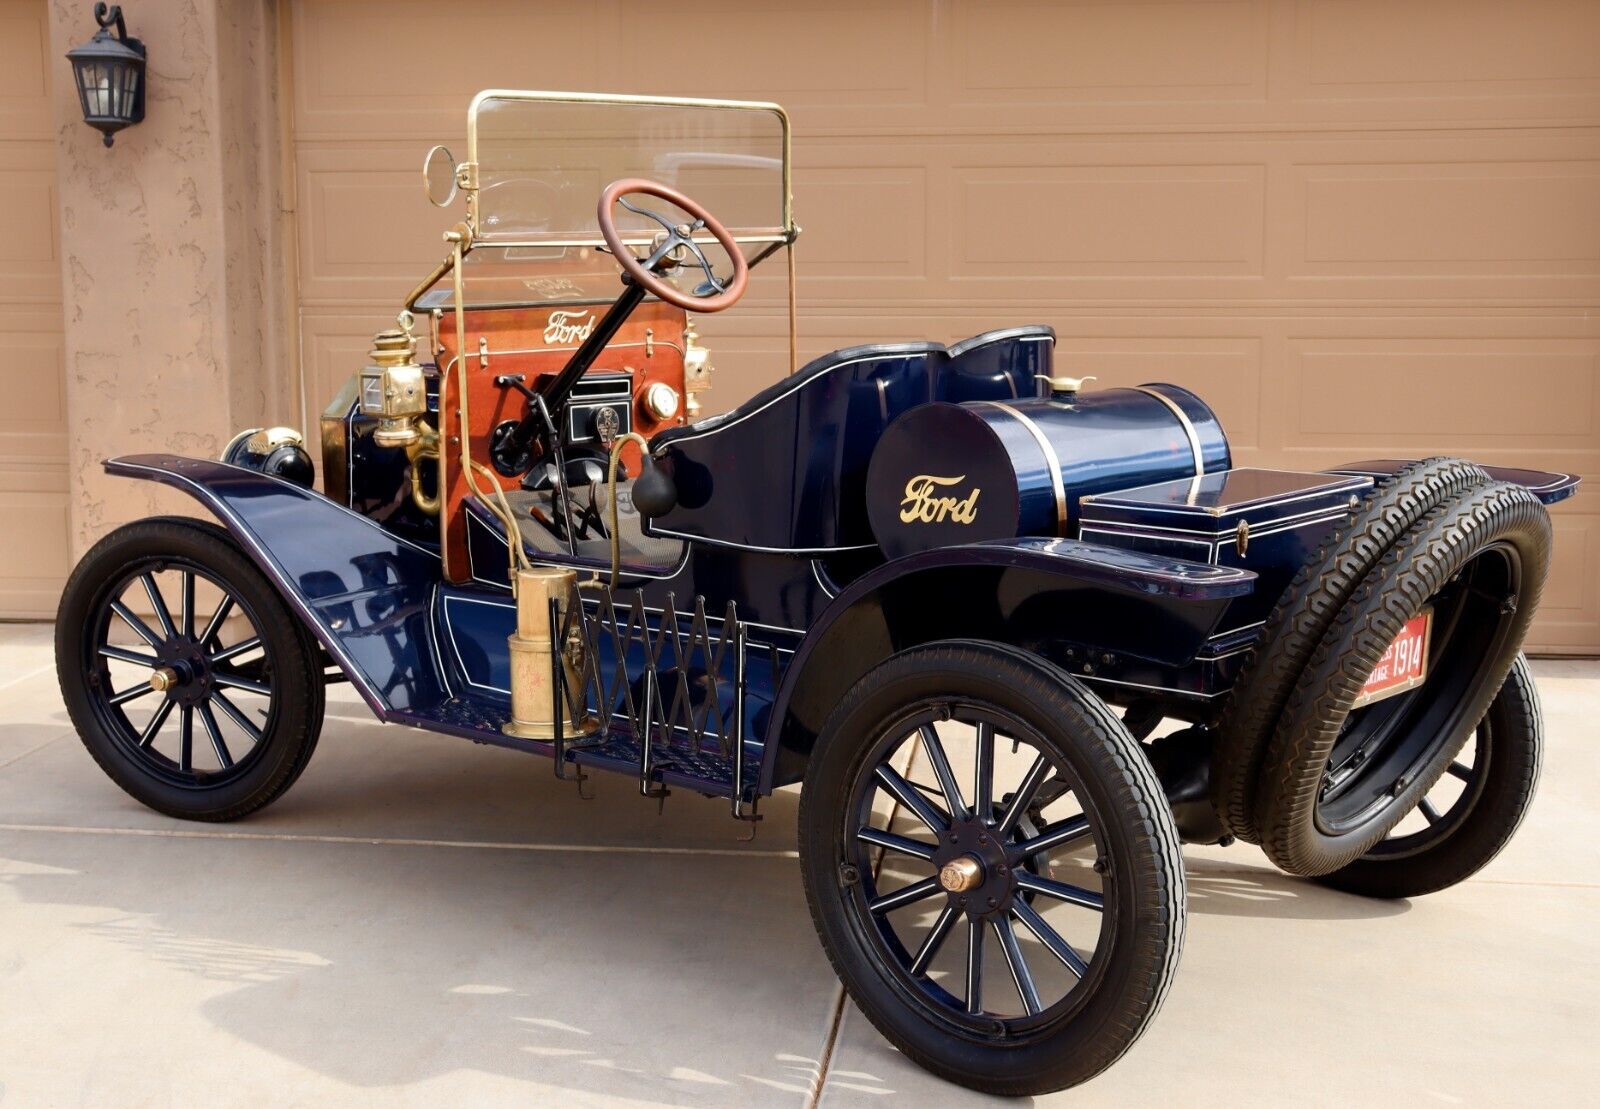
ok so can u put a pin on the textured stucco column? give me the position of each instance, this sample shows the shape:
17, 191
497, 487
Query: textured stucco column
171, 251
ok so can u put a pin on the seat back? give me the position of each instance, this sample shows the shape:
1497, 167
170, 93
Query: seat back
786, 470
997, 365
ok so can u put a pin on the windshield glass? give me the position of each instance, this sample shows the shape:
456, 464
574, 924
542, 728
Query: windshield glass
543, 159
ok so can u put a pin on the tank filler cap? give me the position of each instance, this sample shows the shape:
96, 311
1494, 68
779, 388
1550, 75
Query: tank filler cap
1064, 388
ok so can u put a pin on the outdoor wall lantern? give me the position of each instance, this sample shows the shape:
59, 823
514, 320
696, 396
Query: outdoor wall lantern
108, 71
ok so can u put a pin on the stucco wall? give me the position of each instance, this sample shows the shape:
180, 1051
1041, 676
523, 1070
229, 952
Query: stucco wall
170, 251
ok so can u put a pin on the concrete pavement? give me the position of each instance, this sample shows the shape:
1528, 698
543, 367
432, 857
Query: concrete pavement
425, 921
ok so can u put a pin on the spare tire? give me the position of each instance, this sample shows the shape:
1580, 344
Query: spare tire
1458, 835
1335, 778
1301, 618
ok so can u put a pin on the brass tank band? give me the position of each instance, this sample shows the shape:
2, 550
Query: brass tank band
1184, 422
1051, 460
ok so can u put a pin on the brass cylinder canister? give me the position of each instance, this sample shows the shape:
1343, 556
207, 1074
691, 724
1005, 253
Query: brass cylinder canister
534, 697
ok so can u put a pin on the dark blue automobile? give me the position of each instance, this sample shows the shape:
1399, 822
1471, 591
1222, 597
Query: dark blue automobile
1018, 637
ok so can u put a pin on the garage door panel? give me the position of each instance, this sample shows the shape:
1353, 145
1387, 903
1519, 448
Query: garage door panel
37, 555
1569, 612
334, 346
1099, 52
1108, 221
1445, 389
33, 424
801, 53
1522, 227
430, 58
34, 557
30, 266
367, 231
1480, 49
24, 78
878, 226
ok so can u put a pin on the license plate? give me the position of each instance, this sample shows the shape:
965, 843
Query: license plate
1404, 665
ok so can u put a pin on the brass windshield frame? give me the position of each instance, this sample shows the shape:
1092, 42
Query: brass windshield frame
469, 169
769, 239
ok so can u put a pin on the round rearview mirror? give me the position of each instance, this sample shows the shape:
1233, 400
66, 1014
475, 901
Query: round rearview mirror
439, 176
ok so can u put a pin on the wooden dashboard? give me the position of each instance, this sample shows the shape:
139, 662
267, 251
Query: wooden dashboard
536, 342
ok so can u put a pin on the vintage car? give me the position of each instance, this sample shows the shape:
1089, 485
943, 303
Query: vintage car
1017, 637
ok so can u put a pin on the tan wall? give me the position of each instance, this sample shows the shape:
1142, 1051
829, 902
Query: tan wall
1358, 227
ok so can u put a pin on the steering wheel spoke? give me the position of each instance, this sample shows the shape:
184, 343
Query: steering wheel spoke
678, 239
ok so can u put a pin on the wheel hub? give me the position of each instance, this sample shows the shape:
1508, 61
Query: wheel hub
182, 671
961, 875
973, 869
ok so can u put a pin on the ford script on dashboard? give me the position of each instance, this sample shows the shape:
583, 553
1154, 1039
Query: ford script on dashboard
569, 327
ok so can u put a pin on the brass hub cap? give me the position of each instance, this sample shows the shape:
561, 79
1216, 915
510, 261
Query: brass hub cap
962, 874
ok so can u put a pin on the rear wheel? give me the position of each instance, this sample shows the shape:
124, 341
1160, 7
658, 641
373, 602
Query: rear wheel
187, 677
1337, 778
1461, 824
992, 867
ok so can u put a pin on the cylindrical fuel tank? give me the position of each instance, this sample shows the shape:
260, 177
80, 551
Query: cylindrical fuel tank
943, 474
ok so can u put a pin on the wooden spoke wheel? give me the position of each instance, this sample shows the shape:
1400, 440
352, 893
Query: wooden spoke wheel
188, 678
992, 867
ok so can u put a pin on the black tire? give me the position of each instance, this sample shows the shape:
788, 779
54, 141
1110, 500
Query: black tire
257, 757
1091, 763
1497, 772
1301, 618
1335, 780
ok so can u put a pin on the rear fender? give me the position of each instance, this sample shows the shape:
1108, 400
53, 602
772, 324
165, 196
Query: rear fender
1549, 487
1044, 595
362, 591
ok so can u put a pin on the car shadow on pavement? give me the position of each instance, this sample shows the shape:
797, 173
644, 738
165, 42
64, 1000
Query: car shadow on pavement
1224, 888
678, 977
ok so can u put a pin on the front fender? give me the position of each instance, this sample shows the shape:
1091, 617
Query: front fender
1037, 593
362, 591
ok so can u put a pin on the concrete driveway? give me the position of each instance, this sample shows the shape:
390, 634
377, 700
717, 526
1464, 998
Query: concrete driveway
425, 921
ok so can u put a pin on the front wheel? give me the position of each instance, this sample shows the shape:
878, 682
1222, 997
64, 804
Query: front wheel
1013, 963
189, 680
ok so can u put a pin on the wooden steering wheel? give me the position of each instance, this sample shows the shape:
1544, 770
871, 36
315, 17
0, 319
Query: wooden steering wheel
677, 241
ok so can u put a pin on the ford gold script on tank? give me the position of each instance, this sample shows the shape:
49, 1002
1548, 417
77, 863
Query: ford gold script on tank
920, 503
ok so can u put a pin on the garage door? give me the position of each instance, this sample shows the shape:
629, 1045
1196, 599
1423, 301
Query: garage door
1358, 227
33, 447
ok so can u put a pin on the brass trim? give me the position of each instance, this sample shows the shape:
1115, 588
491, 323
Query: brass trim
427, 181
238, 438
430, 281
1067, 386
555, 97
1052, 459
961, 875
1195, 449
271, 438
538, 661
163, 679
